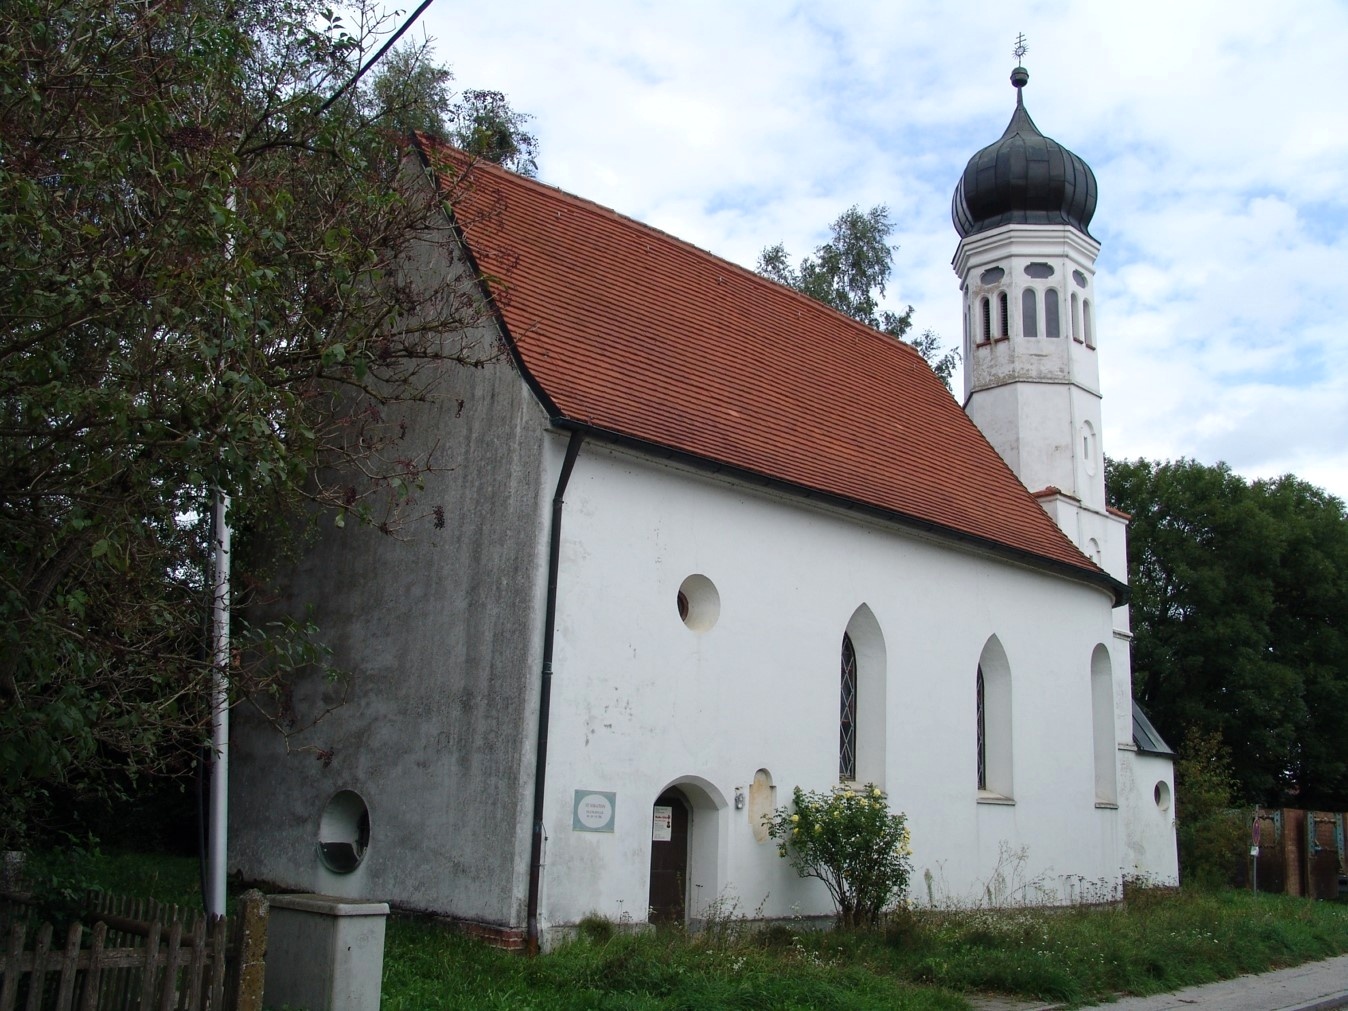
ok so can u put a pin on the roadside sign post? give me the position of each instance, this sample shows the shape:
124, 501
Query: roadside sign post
1254, 854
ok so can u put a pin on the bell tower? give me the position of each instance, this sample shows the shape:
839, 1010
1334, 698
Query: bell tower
1026, 264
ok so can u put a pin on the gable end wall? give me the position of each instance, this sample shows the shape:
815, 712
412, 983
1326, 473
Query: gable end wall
442, 631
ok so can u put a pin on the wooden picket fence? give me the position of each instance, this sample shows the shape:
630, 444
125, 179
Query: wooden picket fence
137, 956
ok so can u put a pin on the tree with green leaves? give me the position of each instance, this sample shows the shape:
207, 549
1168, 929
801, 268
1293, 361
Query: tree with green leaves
1210, 831
850, 272
414, 94
203, 288
1239, 591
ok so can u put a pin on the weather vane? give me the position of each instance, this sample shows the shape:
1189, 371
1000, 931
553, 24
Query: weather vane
1021, 48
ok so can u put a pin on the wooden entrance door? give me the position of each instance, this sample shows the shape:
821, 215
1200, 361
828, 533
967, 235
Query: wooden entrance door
669, 858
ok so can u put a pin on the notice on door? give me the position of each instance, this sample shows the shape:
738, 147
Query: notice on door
662, 824
592, 811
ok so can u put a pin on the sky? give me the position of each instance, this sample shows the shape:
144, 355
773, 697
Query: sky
1218, 133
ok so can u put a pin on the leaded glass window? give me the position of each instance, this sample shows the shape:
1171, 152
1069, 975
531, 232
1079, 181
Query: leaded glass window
982, 734
847, 718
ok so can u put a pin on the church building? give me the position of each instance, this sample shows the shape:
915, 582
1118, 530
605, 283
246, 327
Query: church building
708, 540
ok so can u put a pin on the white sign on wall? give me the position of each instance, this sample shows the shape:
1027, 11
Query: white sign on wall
662, 824
592, 811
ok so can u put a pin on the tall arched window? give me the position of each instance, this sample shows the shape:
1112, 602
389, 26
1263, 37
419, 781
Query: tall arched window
1102, 727
862, 730
847, 717
1003, 316
986, 334
1076, 318
1086, 322
1029, 313
993, 723
1051, 328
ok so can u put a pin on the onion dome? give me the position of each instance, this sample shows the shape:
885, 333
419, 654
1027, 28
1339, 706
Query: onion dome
1023, 179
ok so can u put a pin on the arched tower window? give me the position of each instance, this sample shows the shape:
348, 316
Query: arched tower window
847, 718
1029, 313
992, 691
1086, 322
1003, 316
1076, 318
1051, 328
986, 334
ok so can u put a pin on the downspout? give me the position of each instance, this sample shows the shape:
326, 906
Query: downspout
545, 689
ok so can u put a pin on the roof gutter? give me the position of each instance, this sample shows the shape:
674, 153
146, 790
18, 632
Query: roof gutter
545, 689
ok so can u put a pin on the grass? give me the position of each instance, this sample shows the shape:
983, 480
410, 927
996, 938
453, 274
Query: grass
1154, 942
428, 968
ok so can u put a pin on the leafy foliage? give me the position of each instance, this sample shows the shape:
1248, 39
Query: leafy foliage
203, 288
849, 273
413, 94
1211, 835
1239, 592
850, 841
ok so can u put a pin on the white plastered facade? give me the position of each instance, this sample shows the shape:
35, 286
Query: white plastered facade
1034, 391
641, 701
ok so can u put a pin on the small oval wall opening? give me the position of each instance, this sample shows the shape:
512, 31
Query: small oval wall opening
344, 832
699, 603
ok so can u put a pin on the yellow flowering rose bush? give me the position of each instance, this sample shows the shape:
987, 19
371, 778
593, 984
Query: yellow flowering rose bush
849, 839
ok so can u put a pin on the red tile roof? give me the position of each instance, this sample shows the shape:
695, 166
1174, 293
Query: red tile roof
630, 331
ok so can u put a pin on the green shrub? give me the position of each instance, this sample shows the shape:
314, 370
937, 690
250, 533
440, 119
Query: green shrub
849, 840
1210, 834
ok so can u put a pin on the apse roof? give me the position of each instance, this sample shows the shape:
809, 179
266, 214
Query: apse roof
630, 333
1145, 736
1024, 178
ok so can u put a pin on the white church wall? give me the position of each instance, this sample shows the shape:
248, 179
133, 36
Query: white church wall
640, 700
1147, 798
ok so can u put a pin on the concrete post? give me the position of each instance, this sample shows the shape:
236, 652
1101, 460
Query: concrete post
325, 953
250, 952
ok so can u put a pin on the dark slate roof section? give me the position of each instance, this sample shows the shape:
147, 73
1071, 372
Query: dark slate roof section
1024, 178
1145, 736
633, 335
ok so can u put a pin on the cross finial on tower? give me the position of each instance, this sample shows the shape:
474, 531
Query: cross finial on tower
1020, 76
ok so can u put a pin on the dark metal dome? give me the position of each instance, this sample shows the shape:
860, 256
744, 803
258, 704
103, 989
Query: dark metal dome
1023, 179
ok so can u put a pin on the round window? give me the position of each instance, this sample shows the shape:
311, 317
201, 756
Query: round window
699, 603
1162, 795
344, 832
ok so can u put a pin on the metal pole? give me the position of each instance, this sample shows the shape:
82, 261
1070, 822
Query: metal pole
219, 811
1255, 839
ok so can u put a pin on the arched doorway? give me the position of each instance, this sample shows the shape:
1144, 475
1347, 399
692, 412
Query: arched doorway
670, 818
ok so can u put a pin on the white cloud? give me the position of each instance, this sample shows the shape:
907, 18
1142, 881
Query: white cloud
1216, 130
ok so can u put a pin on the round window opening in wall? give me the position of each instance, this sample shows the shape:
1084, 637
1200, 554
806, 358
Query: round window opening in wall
1162, 795
344, 832
699, 603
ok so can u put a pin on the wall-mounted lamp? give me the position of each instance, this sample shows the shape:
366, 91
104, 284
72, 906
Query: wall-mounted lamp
739, 798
